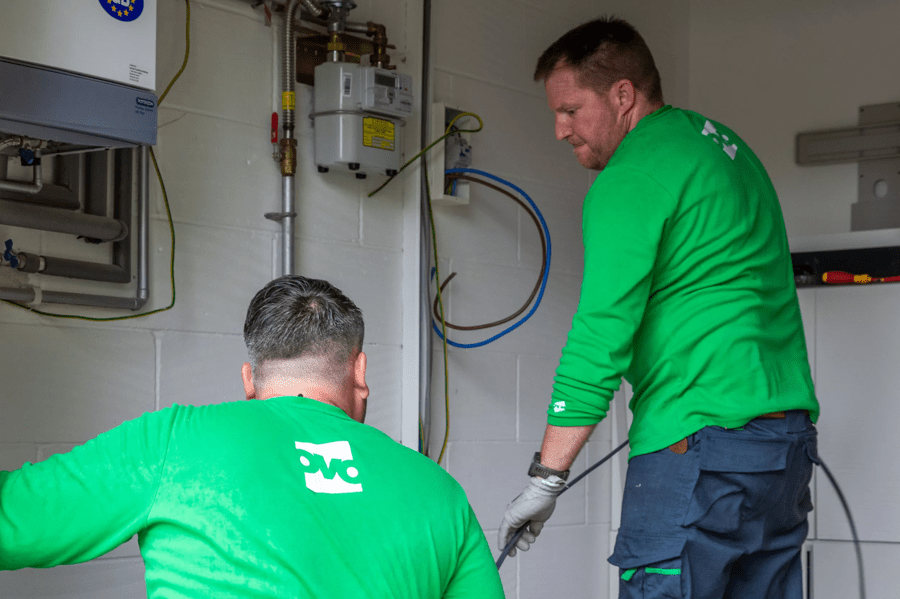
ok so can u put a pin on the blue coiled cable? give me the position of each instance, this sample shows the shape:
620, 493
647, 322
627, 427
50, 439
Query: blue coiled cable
546, 270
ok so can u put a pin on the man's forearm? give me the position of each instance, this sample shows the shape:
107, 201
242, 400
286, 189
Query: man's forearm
562, 444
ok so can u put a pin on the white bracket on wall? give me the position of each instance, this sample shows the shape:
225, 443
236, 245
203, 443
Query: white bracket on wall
875, 145
441, 115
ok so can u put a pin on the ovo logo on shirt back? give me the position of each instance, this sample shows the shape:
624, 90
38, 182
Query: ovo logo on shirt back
328, 467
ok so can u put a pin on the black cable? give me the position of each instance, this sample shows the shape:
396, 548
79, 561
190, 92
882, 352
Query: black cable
837, 488
856, 545
520, 531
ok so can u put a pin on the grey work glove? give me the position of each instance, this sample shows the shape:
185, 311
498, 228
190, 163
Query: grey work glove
535, 503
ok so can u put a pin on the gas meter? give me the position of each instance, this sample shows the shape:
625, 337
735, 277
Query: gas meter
357, 117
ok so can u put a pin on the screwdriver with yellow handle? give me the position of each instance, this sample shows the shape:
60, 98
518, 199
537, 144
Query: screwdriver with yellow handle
837, 277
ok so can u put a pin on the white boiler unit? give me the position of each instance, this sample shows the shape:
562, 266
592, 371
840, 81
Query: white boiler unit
79, 72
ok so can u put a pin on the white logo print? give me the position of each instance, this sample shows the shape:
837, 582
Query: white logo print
559, 406
709, 129
328, 467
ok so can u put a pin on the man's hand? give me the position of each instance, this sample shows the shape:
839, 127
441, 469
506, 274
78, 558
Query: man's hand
535, 503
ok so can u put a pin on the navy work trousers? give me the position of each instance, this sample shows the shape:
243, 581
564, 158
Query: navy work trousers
726, 519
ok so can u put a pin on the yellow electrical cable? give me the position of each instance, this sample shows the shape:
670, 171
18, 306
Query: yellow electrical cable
187, 50
437, 278
437, 274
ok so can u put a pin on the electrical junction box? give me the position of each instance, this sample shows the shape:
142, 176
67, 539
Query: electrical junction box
357, 117
455, 151
113, 40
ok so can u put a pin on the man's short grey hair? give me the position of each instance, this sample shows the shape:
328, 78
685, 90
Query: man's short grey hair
297, 317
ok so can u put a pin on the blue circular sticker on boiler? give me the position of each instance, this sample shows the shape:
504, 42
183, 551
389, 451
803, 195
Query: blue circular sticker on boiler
123, 10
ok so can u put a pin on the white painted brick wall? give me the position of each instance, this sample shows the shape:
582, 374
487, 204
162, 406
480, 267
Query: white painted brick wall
64, 382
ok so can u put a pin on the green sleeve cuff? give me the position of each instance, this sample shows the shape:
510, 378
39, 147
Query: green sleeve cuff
572, 420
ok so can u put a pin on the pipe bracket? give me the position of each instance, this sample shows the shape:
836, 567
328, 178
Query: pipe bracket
279, 216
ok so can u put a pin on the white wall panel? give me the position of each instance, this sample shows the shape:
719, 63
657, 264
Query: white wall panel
482, 396
200, 369
512, 33
858, 385
383, 412
228, 177
13, 455
566, 562
380, 215
505, 466
599, 482
229, 72
807, 299
99, 579
561, 209
834, 570
62, 385
535, 386
217, 273
771, 69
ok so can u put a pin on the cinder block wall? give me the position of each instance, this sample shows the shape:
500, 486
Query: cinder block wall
64, 382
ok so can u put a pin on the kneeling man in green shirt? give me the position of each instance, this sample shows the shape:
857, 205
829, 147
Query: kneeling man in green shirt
286, 495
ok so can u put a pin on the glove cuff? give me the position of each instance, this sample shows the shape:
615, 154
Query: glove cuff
551, 485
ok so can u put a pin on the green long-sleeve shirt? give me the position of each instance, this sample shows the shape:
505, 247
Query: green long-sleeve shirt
688, 289
286, 497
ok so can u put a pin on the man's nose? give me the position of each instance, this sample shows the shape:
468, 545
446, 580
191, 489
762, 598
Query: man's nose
563, 129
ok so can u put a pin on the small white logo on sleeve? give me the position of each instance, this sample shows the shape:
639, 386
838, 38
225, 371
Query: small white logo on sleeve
710, 129
559, 406
328, 467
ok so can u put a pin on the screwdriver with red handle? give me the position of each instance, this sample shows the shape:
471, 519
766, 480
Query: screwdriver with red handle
837, 277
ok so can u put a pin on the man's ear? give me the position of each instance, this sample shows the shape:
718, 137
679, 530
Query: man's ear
360, 388
624, 95
247, 376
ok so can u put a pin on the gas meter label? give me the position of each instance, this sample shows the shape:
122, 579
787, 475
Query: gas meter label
378, 133
288, 100
347, 84
123, 10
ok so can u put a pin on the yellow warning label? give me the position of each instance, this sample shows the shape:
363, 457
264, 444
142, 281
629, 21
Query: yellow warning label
288, 100
378, 133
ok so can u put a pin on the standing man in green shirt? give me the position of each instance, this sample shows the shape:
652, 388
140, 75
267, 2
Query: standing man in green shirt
688, 293
286, 495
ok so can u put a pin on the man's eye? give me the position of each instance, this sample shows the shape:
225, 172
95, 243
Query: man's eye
571, 112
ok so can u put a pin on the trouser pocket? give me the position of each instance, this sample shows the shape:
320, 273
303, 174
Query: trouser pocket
650, 567
744, 479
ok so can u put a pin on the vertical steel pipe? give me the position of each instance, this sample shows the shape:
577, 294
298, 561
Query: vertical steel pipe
288, 143
143, 229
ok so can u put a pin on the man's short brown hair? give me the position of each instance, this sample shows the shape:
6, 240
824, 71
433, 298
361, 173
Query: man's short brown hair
602, 52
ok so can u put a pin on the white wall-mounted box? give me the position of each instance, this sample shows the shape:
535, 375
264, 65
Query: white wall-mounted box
113, 40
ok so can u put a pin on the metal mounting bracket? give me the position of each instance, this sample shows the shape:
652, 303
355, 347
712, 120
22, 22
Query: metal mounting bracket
875, 145
278, 216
